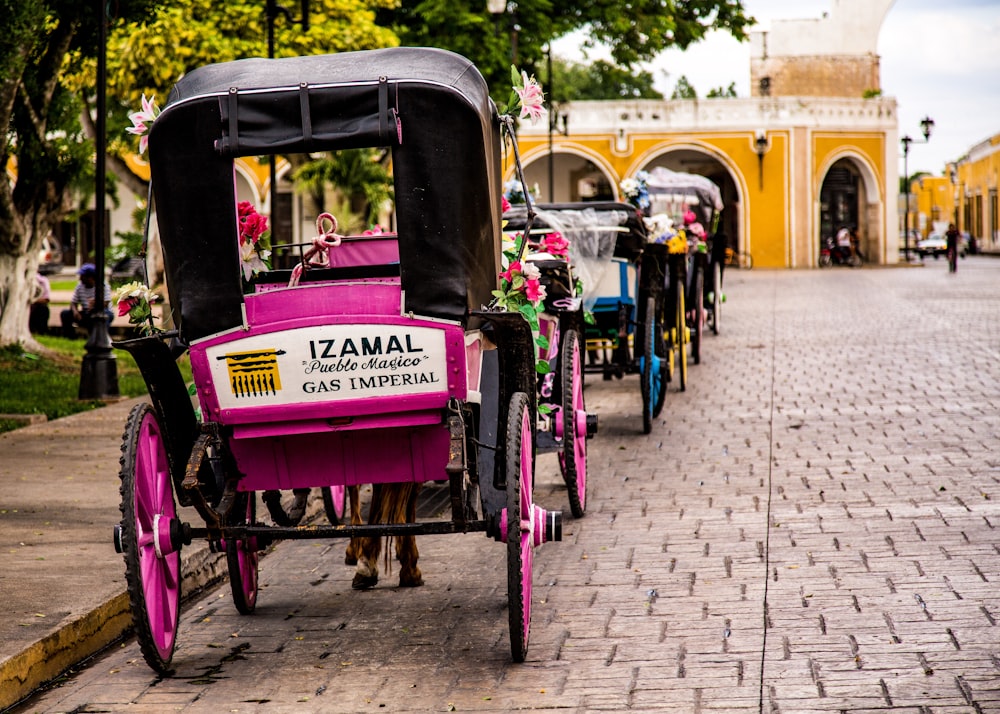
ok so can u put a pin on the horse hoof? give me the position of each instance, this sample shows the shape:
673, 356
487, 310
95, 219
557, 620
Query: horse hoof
364, 582
411, 582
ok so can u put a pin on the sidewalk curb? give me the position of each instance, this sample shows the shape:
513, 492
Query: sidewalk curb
75, 640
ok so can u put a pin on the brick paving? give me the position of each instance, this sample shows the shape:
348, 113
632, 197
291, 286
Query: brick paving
813, 526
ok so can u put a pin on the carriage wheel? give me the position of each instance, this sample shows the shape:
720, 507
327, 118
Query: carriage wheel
682, 339
699, 315
242, 557
520, 545
152, 557
573, 420
716, 297
334, 499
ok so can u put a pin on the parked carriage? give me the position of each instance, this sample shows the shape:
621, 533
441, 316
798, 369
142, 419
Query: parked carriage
624, 290
373, 360
550, 245
675, 194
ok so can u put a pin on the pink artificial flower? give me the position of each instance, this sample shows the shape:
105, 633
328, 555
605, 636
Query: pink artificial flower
375, 230
531, 96
555, 244
534, 291
504, 204
511, 271
689, 217
697, 229
142, 120
252, 224
124, 306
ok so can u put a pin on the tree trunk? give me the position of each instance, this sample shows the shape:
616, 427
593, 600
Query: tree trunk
17, 276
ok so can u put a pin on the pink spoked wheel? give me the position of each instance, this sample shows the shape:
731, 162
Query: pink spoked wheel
571, 425
149, 537
334, 498
242, 556
523, 525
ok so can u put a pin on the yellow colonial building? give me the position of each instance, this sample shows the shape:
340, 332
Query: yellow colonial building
975, 178
814, 148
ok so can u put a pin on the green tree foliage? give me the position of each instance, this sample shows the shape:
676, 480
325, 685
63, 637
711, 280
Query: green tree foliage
360, 174
633, 31
683, 89
723, 93
150, 56
44, 139
599, 80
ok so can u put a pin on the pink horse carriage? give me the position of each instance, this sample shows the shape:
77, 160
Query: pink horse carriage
384, 364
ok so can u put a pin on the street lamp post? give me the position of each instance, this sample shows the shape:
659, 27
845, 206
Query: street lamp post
555, 119
926, 125
498, 8
99, 370
271, 12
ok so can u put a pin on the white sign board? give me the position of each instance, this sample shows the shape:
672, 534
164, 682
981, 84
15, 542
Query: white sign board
328, 362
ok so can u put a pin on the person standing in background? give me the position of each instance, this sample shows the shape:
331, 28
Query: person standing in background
38, 315
952, 237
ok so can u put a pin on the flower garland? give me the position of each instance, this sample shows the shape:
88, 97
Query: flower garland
521, 291
255, 240
134, 299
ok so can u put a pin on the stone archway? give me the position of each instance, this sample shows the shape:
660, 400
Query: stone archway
848, 196
693, 161
574, 178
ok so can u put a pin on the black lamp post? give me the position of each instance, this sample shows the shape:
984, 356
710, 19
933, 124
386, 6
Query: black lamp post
498, 8
926, 125
555, 119
99, 371
272, 12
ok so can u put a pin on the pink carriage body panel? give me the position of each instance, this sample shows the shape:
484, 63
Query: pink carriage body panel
389, 455
330, 385
355, 251
276, 302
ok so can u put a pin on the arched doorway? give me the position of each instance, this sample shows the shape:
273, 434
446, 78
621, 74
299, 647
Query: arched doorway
692, 161
849, 198
575, 178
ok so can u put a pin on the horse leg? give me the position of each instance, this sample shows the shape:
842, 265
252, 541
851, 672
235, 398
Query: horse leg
351, 554
406, 546
368, 550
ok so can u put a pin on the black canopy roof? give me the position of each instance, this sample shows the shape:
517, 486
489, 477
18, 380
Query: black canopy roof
431, 107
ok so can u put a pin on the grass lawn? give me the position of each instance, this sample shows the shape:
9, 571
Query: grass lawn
33, 384
66, 284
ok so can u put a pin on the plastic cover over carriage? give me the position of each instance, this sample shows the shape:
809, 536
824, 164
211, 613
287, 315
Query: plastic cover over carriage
382, 366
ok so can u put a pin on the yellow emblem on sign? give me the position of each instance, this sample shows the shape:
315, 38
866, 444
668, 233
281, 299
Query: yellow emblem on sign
254, 373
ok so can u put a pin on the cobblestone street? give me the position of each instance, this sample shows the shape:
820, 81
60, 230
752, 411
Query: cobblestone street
812, 526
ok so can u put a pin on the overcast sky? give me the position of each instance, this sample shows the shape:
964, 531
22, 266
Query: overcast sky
938, 58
